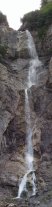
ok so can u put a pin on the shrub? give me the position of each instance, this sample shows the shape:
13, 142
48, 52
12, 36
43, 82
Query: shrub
3, 50
44, 2
3, 19
42, 32
39, 18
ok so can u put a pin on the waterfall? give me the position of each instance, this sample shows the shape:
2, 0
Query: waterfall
31, 45
29, 148
28, 153
34, 63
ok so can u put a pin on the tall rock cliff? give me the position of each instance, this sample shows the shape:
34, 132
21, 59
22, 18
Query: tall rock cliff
14, 68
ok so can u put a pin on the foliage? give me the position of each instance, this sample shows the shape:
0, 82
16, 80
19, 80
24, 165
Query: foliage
38, 19
44, 2
3, 19
3, 50
42, 32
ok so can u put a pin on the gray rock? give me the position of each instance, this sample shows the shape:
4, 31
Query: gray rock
50, 71
13, 81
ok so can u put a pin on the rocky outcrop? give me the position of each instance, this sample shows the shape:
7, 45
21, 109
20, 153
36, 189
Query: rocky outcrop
13, 44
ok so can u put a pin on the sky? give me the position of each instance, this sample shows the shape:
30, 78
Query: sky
15, 9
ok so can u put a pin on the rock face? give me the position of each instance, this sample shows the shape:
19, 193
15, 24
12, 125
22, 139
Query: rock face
43, 41
50, 71
44, 44
13, 44
14, 70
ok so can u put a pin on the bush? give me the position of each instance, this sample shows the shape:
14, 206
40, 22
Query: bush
39, 18
44, 2
3, 19
46, 13
3, 50
42, 32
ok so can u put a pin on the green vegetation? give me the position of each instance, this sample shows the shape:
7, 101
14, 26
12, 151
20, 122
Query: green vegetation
42, 32
3, 50
44, 2
39, 20
3, 19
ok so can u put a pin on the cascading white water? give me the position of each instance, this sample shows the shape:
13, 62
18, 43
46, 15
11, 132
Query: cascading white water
29, 146
31, 45
22, 186
29, 149
29, 152
34, 63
